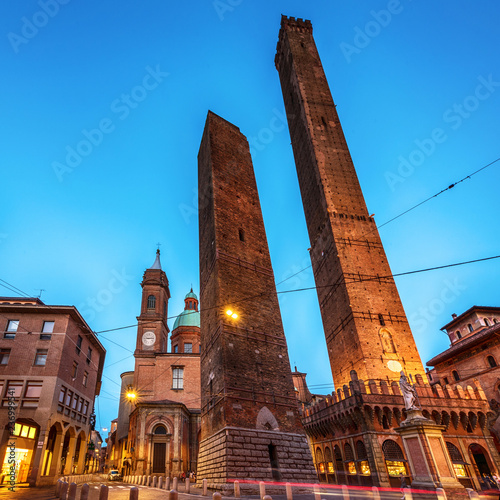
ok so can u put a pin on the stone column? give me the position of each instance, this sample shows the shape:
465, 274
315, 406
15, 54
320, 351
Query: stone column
55, 464
427, 455
37, 459
376, 460
68, 468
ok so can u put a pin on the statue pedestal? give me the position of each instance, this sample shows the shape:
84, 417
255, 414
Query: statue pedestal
428, 457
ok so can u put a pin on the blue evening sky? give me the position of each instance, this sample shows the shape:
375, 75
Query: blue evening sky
417, 88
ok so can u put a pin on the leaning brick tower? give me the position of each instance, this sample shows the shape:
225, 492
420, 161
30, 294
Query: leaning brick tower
250, 425
364, 321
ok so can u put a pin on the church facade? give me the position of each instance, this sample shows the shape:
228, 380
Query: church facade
161, 398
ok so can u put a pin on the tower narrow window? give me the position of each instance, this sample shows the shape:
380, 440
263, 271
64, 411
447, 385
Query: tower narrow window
242, 235
458, 334
151, 302
491, 361
381, 320
273, 457
456, 376
486, 322
469, 326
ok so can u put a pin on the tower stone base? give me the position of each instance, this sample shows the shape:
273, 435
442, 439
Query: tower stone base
235, 453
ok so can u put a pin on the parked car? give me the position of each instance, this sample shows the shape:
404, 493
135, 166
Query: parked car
114, 475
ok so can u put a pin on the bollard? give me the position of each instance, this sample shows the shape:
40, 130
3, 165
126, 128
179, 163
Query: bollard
148, 481
407, 493
237, 491
317, 493
72, 491
144, 478
160, 483
472, 494
64, 491
345, 492
262, 490
205, 487
58, 488
175, 481
173, 495
134, 493
84, 495
167, 483
155, 479
289, 494
441, 494
375, 493
186, 487
217, 496
103, 492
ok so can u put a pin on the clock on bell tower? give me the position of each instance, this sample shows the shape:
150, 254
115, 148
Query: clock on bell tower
152, 329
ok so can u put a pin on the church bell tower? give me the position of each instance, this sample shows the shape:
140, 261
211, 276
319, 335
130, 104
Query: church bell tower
152, 329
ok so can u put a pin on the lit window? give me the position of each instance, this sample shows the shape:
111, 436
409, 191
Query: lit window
151, 302
41, 357
12, 326
177, 378
79, 344
89, 355
85, 378
74, 370
365, 468
351, 468
330, 469
48, 328
25, 431
188, 347
4, 356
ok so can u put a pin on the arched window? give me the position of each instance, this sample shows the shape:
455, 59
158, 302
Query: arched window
394, 458
160, 429
491, 361
151, 302
469, 326
458, 334
349, 457
456, 376
495, 321
329, 461
457, 460
362, 458
319, 461
486, 322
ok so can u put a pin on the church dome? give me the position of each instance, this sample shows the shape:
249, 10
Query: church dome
191, 295
187, 318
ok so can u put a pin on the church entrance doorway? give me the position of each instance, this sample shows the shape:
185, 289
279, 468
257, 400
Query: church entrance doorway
159, 457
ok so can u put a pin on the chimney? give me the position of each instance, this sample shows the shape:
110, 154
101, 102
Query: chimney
454, 316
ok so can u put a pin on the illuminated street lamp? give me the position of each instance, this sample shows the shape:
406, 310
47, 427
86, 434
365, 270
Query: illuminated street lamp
231, 314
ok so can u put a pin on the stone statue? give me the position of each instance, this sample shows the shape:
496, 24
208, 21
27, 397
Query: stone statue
409, 393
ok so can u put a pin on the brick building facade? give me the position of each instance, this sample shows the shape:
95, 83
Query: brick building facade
474, 354
363, 434
250, 425
163, 418
50, 372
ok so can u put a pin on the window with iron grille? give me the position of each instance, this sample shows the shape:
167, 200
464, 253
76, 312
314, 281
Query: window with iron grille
392, 450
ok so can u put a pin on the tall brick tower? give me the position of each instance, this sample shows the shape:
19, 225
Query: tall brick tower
152, 330
364, 321
250, 426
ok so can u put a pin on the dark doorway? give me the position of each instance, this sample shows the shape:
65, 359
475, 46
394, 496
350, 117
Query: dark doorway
479, 455
159, 455
273, 457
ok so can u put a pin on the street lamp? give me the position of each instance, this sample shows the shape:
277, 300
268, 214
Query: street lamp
231, 314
